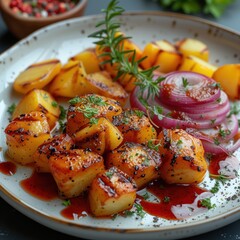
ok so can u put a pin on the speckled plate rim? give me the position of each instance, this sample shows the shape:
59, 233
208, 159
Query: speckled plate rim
226, 218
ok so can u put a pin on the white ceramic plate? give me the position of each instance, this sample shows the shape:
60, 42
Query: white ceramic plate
61, 41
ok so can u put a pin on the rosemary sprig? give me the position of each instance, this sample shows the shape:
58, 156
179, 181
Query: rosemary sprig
111, 42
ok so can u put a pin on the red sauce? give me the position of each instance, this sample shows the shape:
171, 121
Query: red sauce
78, 206
167, 88
8, 168
214, 163
169, 195
40, 185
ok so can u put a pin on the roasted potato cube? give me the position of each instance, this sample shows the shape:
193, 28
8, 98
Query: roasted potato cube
195, 64
89, 59
138, 161
74, 171
24, 134
182, 155
37, 75
111, 192
228, 76
162, 54
151, 51
99, 137
71, 81
53, 146
134, 126
87, 108
39, 100
168, 58
102, 84
194, 47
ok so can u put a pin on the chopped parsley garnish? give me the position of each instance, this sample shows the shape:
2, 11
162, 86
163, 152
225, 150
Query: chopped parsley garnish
128, 213
54, 104
166, 199
109, 174
75, 100
88, 111
66, 202
139, 210
139, 113
146, 196
235, 108
216, 141
207, 203
216, 85
146, 161
153, 146
11, 108
213, 121
63, 113
185, 82
216, 187
93, 121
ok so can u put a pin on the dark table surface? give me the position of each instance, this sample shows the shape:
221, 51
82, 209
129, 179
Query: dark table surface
14, 225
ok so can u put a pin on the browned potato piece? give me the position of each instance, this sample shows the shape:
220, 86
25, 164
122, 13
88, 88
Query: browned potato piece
182, 157
87, 108
37, 75
24, 134
74, 171
168, 58
134, 126
195, 47
101, 83
195, 64
99, 137
89, 59
71, 81
228, 76
163, 54
53, 146
139, 162
39, 100
111, 192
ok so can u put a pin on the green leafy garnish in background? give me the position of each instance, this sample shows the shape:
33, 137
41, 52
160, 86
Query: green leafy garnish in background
212, 7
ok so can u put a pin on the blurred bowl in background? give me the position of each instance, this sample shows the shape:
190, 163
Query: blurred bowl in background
21, 26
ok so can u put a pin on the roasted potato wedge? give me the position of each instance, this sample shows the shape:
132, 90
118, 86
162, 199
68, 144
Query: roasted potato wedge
74, 171
194, 47
39, 100
100, 137
134, 126
89, 59
37, 75
24, 134
138, 161
195, 64
101, 83
111, 192
228, 76
71, 81
182, 155
87, 108
53, 146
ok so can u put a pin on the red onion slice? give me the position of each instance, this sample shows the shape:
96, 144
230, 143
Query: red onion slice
188, 89
184, 211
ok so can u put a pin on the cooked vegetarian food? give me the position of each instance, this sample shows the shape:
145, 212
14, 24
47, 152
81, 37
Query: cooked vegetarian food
24, 134
51, 147
111, 192
182, 156
37, 75
134, 126
39, 100
87, 109
74, 170
138, 161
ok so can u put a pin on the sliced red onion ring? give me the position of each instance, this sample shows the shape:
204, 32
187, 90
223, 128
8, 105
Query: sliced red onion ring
229, 167
184, 211
188, 89
205, 114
